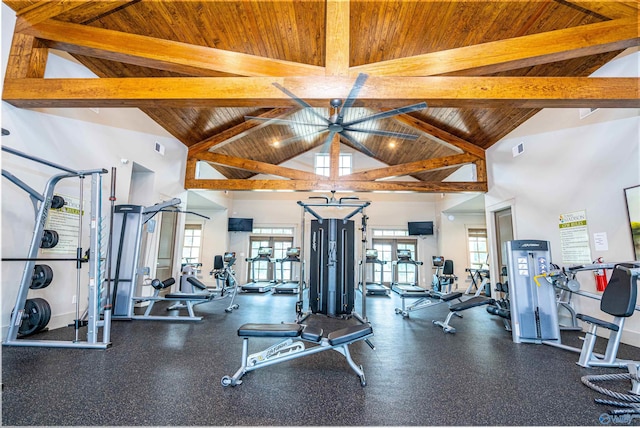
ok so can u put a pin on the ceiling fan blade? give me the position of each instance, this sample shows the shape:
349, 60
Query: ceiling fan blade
301, 102
389, 113
353, 94
358, 145
327, 142
300, 137
283, 121
385, 133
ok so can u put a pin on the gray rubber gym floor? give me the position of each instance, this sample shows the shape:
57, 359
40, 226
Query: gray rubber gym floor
168, 373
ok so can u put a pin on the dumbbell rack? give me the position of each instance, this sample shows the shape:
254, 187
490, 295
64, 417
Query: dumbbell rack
41, 204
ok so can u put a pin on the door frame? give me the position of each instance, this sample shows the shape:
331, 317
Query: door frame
492, 235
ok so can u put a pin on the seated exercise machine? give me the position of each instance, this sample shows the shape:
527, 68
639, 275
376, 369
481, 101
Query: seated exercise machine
225, 282
446, 279
290, 348
129, 222
407, 289
259, 286
290, 286
534, 311
374, 288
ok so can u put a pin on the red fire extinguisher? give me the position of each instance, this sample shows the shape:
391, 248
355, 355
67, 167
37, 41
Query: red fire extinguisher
601, 276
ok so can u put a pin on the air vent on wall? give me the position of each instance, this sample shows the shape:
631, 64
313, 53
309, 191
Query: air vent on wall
517, 150
159, 148
584, 112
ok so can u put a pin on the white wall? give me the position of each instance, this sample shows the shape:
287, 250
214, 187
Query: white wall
281, 209
568, 165
78, 139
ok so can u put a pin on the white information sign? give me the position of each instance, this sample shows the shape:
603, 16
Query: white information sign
64, 221
574, 237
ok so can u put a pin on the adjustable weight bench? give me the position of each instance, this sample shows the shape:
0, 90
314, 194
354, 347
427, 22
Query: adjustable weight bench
182, 300
290, 348
432, 299
455, 309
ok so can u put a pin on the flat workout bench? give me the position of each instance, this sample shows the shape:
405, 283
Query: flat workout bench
289, 349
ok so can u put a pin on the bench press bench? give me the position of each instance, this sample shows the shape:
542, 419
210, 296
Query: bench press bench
290, 348
182, 300
456, 308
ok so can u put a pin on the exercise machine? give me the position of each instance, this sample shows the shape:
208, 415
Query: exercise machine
332, 260
225, 283
32, 315
290, 286
446, 278
290, 347
223, 271
259, 286
479, 280
374, 288
406, 289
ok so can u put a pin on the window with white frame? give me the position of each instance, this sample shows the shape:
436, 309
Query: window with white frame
273, 231
192, 243
323, 164
478, 250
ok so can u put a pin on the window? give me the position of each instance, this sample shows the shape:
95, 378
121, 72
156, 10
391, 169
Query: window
390, 232
263, 270
387, 251
191, 245
323, 164
478, 251
273, 230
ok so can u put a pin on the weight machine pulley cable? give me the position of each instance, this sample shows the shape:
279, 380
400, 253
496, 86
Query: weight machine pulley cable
78, 256
112, 200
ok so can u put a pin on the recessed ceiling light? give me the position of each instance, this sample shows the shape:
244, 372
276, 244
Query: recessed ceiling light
276, 144
392, 145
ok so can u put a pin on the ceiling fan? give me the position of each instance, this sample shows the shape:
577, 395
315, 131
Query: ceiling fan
336, 123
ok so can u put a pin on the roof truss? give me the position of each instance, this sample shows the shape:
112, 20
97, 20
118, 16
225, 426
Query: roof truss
455, 77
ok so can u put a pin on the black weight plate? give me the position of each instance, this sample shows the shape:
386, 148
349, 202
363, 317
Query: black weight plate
57, 202
49, 239
36, 316
42, 277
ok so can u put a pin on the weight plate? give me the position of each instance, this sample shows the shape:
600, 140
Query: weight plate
49, 239
42, 277
57, 202
36, 316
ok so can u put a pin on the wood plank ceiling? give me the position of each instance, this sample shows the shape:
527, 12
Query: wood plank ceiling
198, 68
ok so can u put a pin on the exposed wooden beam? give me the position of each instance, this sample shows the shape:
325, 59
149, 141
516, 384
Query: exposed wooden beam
380, 92
47, 9
161, 54
235, 132
27, 57
338, 185
334, 157
411, 167
481, 170
515, 53
612, 9
256, 166
190, 169
441, 134
337, 37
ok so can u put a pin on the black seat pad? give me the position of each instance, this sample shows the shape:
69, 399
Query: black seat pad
312, 334
270, 330
186, 296
596, 321
349, 334
471, 303
196, 283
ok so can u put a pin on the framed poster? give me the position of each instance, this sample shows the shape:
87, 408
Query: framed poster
632, 196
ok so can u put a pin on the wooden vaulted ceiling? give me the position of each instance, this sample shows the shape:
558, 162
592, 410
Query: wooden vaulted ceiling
198, 68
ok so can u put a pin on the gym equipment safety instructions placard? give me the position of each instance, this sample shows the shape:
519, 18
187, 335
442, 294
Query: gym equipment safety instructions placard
64, 221
574, 237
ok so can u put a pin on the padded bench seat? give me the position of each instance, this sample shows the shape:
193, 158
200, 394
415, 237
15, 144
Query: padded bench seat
471, 303
348, 334
270, 330
446, 297
591, 320
185, 296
